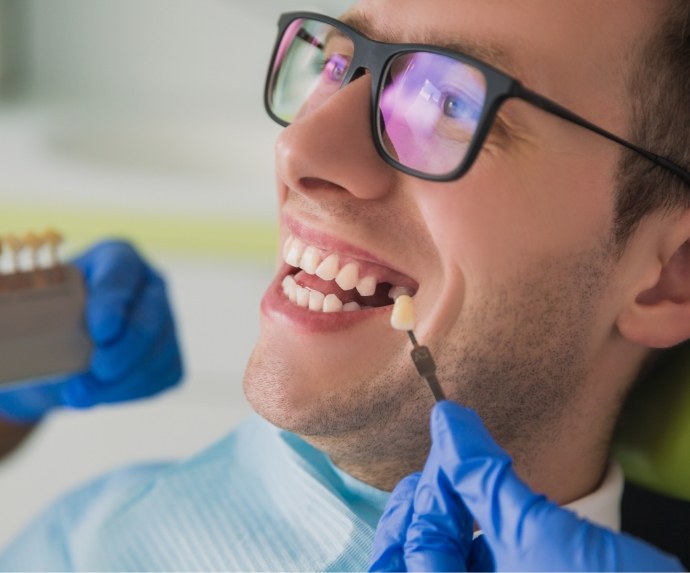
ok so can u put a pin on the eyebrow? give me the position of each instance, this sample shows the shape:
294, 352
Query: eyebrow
490, 52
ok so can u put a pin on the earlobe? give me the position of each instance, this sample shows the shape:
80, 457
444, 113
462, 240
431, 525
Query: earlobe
659, 317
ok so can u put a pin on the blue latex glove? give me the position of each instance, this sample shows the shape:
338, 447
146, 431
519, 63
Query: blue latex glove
427, 525
136, 353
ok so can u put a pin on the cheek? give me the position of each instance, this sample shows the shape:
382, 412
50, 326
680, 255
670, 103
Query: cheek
488, 226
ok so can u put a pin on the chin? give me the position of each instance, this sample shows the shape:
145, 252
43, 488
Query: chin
327, 389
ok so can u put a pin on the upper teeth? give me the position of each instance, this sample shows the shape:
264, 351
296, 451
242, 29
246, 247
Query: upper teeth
327, 266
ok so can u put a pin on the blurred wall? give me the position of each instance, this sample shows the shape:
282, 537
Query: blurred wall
125, 116
145, 52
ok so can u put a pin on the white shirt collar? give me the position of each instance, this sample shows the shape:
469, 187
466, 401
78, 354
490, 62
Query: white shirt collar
603, 505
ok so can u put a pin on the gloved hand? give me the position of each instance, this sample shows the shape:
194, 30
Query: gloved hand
427, 525
135, 354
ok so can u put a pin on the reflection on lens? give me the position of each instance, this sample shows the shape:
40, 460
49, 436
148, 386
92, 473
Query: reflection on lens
311, 62
429, 109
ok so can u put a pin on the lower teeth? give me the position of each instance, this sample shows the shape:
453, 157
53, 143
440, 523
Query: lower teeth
318, 302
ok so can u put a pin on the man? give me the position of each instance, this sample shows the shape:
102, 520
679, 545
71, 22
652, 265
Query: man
542, 278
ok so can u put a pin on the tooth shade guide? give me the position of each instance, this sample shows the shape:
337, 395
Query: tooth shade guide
48, 338
44, 306
13, 247
34, 243
403, 316
13, 243
53, 239
30, 259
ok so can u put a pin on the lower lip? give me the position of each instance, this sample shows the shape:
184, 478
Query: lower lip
278, 308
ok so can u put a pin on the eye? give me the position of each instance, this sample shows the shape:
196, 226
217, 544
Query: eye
335, 68
460, 106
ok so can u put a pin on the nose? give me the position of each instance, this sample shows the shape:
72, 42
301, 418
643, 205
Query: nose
331, 147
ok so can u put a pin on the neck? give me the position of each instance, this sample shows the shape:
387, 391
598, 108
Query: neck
570, 465
569, 459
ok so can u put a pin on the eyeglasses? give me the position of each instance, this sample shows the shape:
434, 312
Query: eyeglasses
432, 108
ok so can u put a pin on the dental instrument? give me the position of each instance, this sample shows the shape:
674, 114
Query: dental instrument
403, 318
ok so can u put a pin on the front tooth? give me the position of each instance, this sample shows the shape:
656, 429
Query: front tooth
289, 286
310, 260
286, 283
351, 306
328, 269
302, 297
295, 253
292, 291
397, 291
367, 286
348, 277
316, 299
286, 246
332, 304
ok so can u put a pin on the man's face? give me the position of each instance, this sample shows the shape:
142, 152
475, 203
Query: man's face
511, 266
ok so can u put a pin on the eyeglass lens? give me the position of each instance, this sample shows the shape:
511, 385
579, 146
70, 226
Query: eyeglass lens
429, 104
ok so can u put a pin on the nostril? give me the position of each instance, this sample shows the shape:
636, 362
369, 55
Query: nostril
316, 184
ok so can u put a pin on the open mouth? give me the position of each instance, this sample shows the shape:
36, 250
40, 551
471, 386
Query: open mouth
328, 282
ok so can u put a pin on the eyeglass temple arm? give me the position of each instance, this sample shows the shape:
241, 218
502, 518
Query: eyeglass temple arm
552, 107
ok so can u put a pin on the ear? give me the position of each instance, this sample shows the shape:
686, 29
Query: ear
659, 317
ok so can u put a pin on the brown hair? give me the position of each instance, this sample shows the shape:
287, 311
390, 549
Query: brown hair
660, 122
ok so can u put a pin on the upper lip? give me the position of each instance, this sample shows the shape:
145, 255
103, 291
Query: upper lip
333, 244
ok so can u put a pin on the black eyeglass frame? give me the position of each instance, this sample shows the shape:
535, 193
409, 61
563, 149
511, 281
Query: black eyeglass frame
375, 57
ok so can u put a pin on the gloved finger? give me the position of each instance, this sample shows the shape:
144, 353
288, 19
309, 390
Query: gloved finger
150, 314
440, 533
114, 273
163, 370
390, 535
26, 404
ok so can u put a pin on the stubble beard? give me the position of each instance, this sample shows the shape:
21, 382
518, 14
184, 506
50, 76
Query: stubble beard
518, 357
